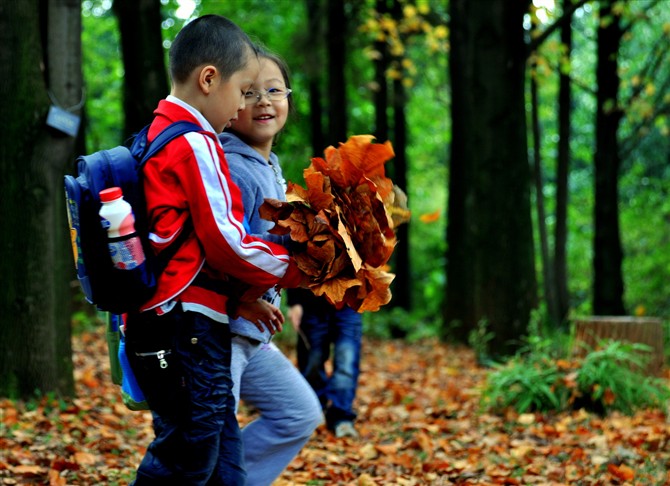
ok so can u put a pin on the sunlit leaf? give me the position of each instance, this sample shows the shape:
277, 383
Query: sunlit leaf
430, 217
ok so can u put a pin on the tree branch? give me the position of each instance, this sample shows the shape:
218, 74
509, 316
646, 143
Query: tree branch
567, 15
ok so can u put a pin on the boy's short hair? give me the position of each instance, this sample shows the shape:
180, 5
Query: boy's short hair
210, 39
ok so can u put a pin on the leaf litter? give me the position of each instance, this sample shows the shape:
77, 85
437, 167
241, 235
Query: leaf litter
418, 418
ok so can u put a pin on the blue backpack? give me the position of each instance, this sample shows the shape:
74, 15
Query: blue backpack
107, 287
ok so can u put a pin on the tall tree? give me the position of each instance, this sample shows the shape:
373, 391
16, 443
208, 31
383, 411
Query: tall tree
145, 77
607, 252
380, 93
401, 286
490, 262
554, 266
336, 49
313, 69
547, 263
560, 262
401, 258
40, 63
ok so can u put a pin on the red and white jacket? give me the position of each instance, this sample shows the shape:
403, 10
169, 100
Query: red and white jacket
189, 178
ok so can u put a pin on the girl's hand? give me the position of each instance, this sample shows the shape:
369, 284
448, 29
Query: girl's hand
295, 316
263, 315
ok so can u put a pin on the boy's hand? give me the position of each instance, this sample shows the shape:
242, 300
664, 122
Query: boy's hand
262, 314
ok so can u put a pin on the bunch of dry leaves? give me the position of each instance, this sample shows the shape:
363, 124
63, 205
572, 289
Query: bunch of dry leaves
343, 223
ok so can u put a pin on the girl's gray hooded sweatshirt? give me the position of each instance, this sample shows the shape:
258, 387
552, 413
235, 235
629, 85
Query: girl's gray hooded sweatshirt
257, 179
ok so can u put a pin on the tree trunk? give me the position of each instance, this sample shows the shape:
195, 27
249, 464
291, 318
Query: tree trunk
401, 284
402, 294
490, 268
145, 80
562, 171
547, 264
314, 67
607, 253
40, 58
336, 49
381, 91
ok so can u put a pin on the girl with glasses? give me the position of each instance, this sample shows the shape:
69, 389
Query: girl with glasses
262, 376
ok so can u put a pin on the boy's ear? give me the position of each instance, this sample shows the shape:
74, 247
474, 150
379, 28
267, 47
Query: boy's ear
207, 78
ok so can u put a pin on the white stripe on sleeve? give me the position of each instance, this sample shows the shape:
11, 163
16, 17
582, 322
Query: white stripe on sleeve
219, 198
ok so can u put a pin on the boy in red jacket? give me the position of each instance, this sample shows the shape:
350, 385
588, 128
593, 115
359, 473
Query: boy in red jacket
179, 344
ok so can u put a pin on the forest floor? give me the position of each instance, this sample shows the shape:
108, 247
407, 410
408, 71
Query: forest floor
419, 423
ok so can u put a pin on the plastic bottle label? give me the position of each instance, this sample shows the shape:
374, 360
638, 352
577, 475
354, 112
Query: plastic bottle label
126, 253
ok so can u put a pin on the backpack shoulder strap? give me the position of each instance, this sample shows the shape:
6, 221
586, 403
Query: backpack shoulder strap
168, 134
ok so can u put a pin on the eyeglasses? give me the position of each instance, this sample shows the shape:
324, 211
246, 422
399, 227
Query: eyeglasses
253, 96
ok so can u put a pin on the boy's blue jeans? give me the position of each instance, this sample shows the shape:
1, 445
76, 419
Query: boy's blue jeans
189, 391
343, 329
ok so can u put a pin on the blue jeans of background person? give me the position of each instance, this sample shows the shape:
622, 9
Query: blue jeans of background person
189, 391
343, 329
288, 408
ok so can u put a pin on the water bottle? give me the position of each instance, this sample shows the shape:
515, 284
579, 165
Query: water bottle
116, 216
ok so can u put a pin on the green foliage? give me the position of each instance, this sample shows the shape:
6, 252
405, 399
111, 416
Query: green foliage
644, 208
479, 339
524, 386
610, 378
606, 379
645, 212
85, 319
103, 76
392, 321
643, 185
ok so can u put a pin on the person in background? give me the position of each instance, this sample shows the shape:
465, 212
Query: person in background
262, 376
179, 344
319, 326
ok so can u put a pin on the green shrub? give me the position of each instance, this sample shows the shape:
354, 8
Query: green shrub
524, 387
608, 378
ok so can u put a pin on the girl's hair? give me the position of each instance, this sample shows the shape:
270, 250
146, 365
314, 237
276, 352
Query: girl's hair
210, 39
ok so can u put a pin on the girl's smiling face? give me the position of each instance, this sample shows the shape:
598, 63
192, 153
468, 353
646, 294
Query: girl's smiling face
262, 119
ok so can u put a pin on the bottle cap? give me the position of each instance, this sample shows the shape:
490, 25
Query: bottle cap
110, 194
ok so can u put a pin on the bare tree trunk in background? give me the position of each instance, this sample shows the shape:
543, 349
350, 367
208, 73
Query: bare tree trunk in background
381, 91
490, 257
336, 49
562, 171
145, 80
547, 264
607, 254
402, 294
313, 71
40, 60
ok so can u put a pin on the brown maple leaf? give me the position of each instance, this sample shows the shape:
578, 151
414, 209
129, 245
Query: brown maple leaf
343, 223
354, 160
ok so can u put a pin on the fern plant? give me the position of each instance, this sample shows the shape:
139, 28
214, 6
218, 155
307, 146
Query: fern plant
524, 387
607, 378
610, 378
